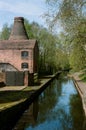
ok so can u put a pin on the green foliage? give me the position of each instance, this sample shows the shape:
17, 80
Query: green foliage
71, 15
77, 58
62, 53
32, 29
83, 75
4, 35
62, 60
47, 46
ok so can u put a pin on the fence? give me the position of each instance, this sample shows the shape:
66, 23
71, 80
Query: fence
14, 78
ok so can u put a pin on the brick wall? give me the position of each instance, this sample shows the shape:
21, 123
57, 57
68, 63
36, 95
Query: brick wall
14, 58
35, 57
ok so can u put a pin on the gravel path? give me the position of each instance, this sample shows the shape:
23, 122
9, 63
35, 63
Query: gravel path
81, 84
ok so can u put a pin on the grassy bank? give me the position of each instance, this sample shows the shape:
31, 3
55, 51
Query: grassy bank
13, 97
83, 75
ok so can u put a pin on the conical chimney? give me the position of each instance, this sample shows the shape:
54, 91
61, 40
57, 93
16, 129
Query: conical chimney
18, 31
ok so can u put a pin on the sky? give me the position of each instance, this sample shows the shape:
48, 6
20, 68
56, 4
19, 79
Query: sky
32, 10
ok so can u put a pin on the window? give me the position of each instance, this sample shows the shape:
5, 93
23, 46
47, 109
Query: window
24, 65
24, 54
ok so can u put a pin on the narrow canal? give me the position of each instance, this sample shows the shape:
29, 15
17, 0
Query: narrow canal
57, 108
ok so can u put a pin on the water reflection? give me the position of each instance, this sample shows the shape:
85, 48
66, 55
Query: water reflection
58, 108
29, 117
77, 112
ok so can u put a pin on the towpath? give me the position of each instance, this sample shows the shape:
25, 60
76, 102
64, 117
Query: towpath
81, 84
81, 87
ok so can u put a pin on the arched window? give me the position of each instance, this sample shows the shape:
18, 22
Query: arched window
24, 65
24, 54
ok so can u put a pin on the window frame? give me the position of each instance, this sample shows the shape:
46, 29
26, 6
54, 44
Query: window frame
24, 65
24, 54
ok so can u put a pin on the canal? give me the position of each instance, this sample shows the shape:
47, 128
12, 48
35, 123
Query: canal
57, 108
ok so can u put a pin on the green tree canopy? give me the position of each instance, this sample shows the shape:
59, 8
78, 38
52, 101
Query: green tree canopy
71, 15
4, 34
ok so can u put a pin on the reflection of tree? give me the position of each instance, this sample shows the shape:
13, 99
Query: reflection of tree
63, 77
76, 112
46, 103
65, 119
29, 117
52, 109
48, 100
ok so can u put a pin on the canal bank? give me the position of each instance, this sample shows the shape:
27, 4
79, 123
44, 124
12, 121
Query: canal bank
81, 88
11, 109
58, 107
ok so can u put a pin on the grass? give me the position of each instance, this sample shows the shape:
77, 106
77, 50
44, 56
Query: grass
84, 78
83, 75
10, 98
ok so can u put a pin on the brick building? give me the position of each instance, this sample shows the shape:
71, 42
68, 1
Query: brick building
19, 53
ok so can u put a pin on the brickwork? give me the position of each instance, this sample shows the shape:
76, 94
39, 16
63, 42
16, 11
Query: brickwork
15, 59
10, 50
19, 53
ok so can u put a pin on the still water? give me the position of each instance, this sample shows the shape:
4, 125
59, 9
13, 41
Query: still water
57, 108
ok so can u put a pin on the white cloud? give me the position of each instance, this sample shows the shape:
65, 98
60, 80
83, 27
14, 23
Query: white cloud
25, 8
30, 9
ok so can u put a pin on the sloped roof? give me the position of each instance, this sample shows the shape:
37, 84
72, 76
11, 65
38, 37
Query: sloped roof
17, 44
18, 38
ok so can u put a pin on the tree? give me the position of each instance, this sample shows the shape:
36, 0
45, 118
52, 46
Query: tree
47, 46
4, 34
71, 15
78, 56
